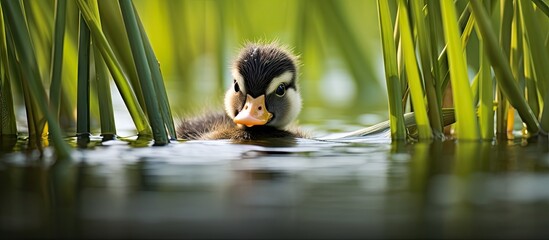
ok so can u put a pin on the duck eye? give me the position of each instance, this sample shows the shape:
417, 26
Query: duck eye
236, 87
281, 90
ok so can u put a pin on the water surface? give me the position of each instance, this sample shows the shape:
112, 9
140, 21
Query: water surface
272, 189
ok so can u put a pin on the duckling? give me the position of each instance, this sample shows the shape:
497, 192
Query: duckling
262, 101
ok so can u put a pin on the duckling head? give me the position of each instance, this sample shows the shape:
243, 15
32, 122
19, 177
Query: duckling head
264, 89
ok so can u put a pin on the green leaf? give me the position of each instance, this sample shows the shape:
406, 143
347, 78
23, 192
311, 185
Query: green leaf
396, 118
466, 124
144, 73
501, 68
412, 72
23, 44
129, 97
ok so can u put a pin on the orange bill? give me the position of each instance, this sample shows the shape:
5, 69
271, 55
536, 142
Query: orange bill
254, 112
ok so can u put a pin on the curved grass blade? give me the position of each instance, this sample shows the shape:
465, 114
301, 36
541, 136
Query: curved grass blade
501, 68
20, 33
466, 124
83, 87
104, 98
448, 117
540, 60
144, 73
57, 56
111, 25
129, 97
412, 73
396, 118
158, 81
7, 112
542, 6
486, 97
529, 77
424, 41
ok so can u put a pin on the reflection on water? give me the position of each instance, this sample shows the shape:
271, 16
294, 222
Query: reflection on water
302, 188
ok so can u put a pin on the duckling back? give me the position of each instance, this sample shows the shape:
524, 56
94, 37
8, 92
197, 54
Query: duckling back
218, 125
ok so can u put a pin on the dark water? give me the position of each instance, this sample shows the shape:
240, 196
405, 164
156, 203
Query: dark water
295, 189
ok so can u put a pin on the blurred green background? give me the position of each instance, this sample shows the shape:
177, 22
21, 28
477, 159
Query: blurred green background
341, 75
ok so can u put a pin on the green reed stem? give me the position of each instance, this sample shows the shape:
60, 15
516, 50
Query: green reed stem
144, 72
542, 6
396, 118
424, 41
540, 60
466, 124
129, 97
57, 56
435, 27
501, 68
7, 112
83, 86
414, 79
112, 23
464, 20
23, 44
158, 81
104, 98
502, 109
531, 89
486, 97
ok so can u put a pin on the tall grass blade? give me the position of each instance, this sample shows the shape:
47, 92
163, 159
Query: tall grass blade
144, 72
129, 97
57, 56
467, 127
506, 12
486, 97
21, 37
540, 60
542, 6
34, 115
83, 87
464, 20
7, 112
423, 35
111, 25
435, 26
412, 72
396, 119
158, 81
501, 68
106, 113
531, 89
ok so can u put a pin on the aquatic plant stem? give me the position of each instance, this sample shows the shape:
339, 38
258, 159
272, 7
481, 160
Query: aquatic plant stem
158, 81
7, 112
424, 41
396, 119
106, 113
412, 72
129, 97
57, 56
144, 72
540, 60
83, 86
21, 36
486, 97
466, 124
501, 68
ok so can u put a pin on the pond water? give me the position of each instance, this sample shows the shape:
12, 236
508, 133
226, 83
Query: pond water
368, 188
